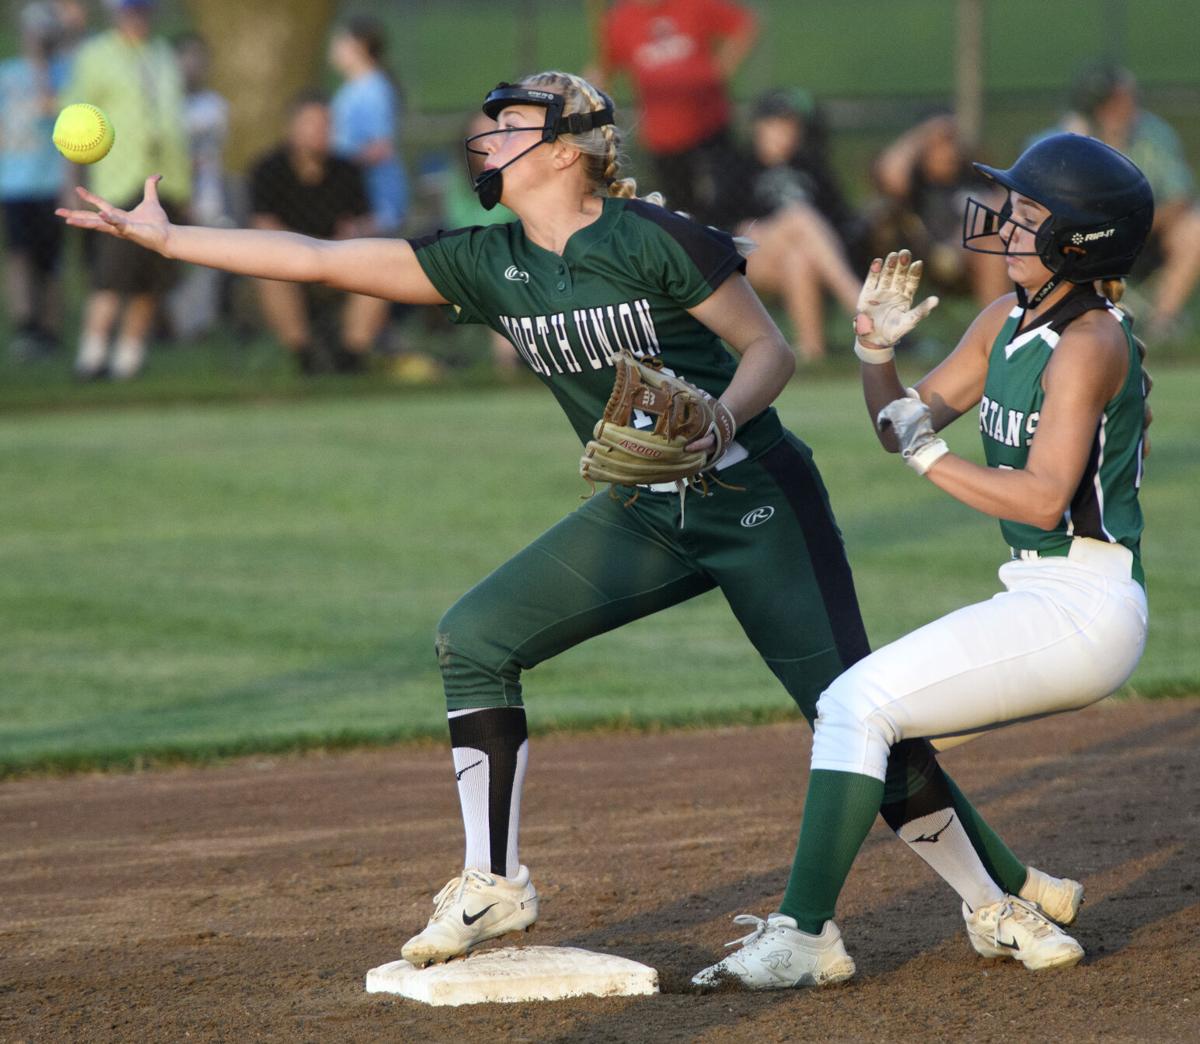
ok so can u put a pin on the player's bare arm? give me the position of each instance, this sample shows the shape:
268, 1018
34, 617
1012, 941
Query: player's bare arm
735, 314
955, 385
378, 267
1089, 365
952, 387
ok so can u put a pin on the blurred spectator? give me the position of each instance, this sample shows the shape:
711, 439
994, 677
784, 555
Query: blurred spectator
925, 178
365, 116
792, 207
680, 56
1106, 106
134, 78
72, 18
300, 186
31, 182
194, 303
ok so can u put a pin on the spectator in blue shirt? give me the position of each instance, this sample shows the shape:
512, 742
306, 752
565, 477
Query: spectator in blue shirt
31, 181
365, 112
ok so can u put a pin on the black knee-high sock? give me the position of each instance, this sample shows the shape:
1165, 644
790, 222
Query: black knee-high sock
491, 749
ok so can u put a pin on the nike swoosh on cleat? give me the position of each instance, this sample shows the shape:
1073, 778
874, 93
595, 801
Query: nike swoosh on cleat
1010, 945
459, 774
475, 917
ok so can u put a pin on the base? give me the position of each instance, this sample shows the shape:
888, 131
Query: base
508, 975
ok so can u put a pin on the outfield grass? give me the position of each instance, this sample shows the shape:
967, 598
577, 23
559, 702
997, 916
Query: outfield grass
185, 580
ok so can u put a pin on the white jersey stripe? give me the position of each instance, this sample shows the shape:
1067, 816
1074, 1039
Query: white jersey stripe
1099, 486
1044, 332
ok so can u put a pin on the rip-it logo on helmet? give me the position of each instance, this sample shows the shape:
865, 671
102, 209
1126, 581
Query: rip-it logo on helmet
490, 184
1079, 237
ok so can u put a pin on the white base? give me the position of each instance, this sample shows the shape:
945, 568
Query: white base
525, 974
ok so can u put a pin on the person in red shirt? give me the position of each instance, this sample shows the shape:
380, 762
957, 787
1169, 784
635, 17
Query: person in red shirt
680, 56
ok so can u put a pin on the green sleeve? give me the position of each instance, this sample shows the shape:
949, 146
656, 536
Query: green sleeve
686, 259
451, 260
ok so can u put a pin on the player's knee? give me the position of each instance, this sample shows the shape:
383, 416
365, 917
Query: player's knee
849, 720
471, 656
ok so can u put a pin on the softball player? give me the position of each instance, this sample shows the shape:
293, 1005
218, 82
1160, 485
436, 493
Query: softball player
1056, 374
588, 270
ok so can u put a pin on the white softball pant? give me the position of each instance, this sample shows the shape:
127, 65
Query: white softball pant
1067, 632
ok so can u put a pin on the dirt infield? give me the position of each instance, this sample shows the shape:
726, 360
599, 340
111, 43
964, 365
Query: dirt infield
246, 902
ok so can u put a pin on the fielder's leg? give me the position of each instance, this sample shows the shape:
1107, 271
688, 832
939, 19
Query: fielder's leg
599, 568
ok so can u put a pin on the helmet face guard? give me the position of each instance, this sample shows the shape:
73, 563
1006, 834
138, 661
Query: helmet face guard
981, 222
982, 226
490, 184
1101, 209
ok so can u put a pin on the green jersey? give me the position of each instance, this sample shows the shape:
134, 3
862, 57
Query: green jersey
623, 282
1105, 504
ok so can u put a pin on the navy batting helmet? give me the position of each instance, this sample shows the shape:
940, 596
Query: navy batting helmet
1100, 203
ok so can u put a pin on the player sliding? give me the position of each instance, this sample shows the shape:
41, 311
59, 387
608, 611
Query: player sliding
588, 270
1057, 378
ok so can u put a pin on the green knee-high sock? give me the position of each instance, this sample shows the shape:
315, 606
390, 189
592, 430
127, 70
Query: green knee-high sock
838, 813
998, 859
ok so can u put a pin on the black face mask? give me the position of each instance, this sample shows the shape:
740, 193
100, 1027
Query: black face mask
489, 185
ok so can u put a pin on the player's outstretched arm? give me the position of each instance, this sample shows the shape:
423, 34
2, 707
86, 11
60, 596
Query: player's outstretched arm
385, 268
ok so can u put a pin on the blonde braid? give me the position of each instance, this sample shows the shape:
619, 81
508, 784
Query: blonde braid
602, 145
623, 188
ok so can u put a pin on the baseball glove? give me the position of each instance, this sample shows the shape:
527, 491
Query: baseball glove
627, 455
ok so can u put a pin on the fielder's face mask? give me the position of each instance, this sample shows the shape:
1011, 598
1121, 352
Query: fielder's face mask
490, 184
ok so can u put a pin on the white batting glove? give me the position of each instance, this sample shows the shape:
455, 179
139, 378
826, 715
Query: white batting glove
912, 422
885, 306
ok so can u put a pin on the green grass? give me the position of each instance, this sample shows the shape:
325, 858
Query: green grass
861, 49
191, 580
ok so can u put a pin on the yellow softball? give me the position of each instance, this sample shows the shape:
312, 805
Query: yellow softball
83, 133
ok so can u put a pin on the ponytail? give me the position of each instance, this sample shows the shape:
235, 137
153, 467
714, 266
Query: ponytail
1113, 289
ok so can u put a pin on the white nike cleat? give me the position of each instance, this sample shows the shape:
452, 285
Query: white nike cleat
1017, 929
777, 955
1059, 898
472, 909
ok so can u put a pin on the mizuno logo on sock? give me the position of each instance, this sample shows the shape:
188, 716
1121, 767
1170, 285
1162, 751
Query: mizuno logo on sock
459, 773
932, 838
475, 917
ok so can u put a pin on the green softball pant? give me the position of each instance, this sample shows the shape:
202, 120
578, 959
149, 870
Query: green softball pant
771, 545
